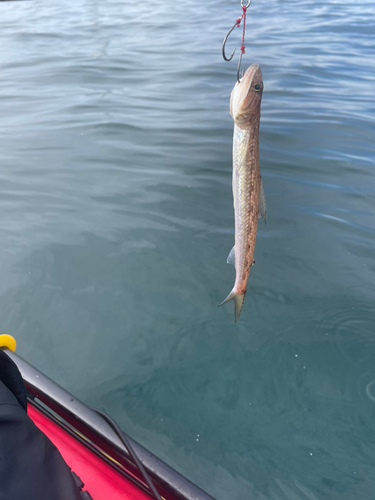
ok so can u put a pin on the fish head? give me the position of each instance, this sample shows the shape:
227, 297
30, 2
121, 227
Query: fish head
246, 97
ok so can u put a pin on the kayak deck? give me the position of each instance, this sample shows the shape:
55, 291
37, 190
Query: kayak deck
100, 479
95, 448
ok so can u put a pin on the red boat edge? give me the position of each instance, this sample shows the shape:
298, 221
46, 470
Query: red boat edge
99, 479
92, 449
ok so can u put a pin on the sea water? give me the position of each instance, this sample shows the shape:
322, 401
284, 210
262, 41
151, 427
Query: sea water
117, 219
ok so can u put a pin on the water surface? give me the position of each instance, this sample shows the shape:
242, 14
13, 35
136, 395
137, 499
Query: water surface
117, 218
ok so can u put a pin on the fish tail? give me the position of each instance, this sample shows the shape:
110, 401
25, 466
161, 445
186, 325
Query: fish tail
238, 303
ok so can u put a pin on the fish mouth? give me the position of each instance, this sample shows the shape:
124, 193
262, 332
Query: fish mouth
247, 93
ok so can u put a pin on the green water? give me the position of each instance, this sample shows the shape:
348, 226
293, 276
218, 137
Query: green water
117, 218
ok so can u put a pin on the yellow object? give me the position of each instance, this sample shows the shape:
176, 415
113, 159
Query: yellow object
7, 342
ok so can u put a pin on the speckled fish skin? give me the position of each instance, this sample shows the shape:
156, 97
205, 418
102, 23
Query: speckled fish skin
245, 110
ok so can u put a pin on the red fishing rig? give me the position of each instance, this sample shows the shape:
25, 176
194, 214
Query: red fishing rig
237, 24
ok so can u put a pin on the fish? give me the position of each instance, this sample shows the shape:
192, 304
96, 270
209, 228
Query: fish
248, 194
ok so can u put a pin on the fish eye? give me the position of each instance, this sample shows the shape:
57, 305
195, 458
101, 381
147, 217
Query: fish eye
257, 87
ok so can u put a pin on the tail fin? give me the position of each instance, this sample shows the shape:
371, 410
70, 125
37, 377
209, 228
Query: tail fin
238, 303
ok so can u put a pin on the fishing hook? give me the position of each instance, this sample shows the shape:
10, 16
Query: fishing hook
234, 50
239, 67
225, 41
237, 23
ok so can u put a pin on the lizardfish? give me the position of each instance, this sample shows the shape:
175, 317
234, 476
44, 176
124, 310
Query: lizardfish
248, 194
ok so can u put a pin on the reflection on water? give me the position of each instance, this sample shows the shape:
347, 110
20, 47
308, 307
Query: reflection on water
117, 218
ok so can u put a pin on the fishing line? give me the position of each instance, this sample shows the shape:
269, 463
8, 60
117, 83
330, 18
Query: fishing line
125, 441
